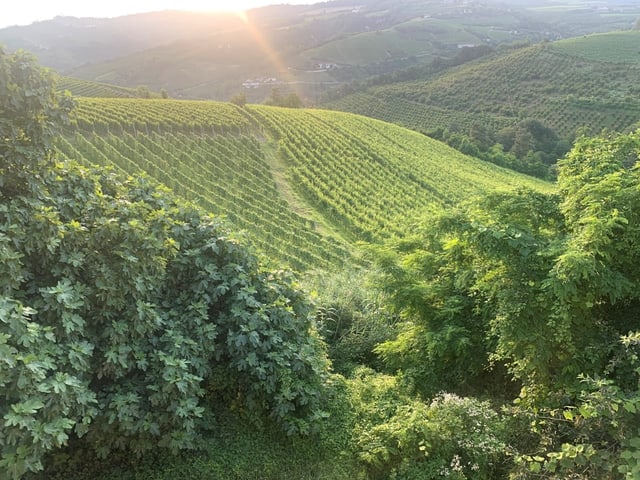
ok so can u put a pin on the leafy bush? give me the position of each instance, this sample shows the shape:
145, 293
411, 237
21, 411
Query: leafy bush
598, 435
398, 436
123, 310
545, 286
351, 318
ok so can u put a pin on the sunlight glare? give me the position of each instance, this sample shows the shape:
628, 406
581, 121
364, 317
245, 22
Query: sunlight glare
237, 7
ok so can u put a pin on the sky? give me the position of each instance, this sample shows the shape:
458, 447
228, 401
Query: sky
24, 12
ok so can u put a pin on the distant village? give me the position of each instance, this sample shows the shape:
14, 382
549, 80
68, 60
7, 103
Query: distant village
262, 81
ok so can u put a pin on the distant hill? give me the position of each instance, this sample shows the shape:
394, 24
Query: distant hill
305, 184
65, 43
613, 47
307, 49
584, 84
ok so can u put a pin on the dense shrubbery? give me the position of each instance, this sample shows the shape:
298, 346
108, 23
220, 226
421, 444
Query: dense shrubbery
352, 319
529, 147
396, 435
546, 289
124, 311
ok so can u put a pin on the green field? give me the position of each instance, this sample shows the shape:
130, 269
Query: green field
304, 184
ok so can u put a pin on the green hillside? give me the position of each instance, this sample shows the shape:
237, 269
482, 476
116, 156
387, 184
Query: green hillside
305, 184
615, 47
587, 83
87, 88
308, 49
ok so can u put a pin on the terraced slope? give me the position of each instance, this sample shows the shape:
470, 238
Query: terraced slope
585, 83
304, 184
87, 88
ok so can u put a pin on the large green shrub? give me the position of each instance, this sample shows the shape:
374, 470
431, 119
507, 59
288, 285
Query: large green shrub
124, 312
30, 112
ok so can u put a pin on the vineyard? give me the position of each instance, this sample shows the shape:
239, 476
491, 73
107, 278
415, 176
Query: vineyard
598, 47
304, 184
416, 115
87, 88
560, 84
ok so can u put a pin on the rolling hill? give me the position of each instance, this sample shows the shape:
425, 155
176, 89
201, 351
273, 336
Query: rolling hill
86, 88
581, 84
312, 49
305, 184
65, 43
305, 48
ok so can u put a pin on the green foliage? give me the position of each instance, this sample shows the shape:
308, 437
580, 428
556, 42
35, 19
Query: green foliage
30, 115
542, 283
319, 180
124, 310
364, 176
397, 436
232, 447
351, 318
599, 435
142, 91
276, 99
239, 99
528, 147
457, 280
577, 83
242, 188
545, 285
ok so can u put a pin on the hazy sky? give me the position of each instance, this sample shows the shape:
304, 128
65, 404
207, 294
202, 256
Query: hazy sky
23, 12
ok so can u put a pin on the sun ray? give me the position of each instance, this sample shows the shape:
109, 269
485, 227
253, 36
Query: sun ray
271, 55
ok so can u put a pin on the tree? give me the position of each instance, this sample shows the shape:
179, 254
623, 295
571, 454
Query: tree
276, 99
239, 99
551, 279
143, 91
292, 101
454, 282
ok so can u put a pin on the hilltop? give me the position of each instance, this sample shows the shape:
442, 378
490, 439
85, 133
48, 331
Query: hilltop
305, 184
86, 88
